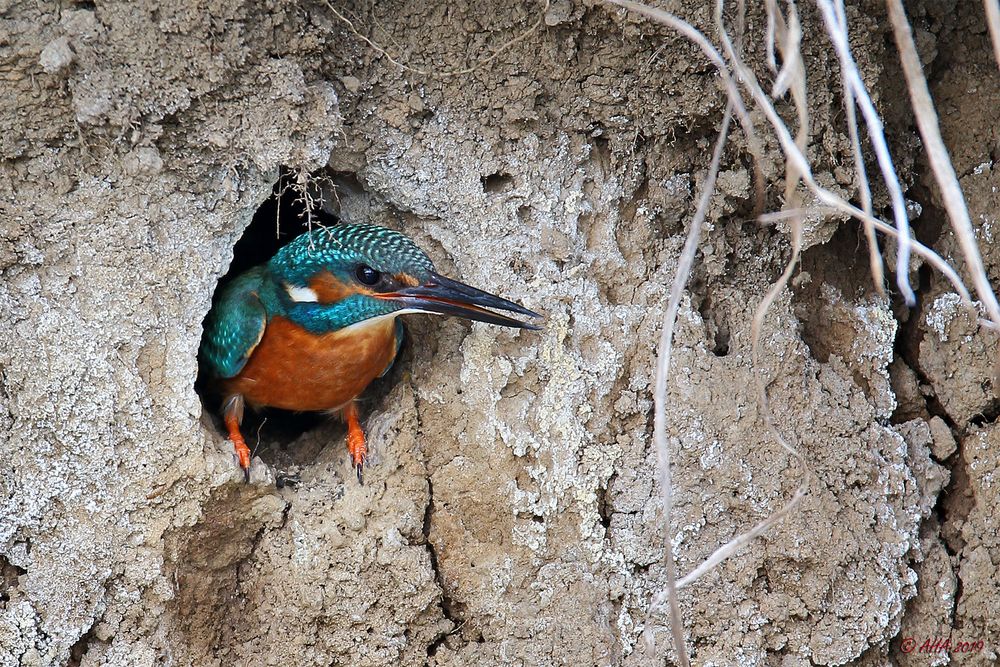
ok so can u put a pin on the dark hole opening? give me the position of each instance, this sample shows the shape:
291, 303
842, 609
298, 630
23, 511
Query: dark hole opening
9, 574
278, 221
497, 182
716, 324
270, 432
78, 650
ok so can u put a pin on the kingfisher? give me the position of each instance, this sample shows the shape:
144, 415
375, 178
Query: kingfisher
311, 328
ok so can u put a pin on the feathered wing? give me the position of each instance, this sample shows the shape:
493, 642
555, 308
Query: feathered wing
234, 326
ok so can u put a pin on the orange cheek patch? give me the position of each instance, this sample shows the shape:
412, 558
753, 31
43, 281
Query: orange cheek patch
328, 289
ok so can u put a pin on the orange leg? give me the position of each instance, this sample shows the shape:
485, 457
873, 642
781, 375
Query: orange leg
233, 416
355, 439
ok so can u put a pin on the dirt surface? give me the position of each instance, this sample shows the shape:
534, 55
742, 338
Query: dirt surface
510, 516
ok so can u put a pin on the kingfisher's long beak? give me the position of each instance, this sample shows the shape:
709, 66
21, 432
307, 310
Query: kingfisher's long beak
449, 297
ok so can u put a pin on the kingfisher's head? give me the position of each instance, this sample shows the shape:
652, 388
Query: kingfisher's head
356, 272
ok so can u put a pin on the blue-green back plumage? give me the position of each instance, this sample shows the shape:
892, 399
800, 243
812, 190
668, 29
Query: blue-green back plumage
235, 324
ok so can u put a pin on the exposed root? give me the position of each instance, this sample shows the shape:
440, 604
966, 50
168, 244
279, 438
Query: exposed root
309, 194
783, 34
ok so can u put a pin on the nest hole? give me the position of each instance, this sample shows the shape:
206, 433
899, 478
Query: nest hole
290, 441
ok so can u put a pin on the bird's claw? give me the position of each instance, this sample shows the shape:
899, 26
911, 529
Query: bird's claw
239, 444
359, 455
243, 458
356, 444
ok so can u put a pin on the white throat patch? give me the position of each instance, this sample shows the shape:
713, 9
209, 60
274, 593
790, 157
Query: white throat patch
301, 294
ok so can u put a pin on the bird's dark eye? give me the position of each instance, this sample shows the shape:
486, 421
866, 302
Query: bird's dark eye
367, 275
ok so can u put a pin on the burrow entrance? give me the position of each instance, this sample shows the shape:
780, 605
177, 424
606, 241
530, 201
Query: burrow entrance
289, 441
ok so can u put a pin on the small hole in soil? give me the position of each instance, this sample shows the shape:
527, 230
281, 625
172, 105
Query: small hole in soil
721, 346
280, 219
497, 182
9, 574
717, 326
80, 648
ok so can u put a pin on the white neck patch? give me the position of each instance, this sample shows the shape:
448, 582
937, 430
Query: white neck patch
301, 294
373, 321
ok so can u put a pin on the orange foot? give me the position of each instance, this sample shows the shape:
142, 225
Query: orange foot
239, 444
356, 440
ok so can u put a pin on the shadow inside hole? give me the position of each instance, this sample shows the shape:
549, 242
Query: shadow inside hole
279, 220
499, 182
288, 441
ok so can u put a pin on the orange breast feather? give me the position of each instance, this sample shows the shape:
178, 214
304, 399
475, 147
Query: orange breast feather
297, 370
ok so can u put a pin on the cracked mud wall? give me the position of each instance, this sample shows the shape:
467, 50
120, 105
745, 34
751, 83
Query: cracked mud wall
511, 515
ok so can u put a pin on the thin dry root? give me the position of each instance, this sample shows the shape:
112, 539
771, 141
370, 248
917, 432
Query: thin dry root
783, 34
445, 73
